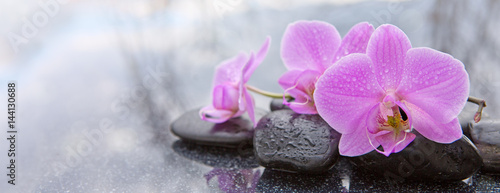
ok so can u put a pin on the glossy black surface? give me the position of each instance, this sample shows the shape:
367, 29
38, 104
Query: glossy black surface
425, 160
294, 142
235, 132
277, 104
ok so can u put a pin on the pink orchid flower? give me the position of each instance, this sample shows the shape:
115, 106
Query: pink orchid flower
308, 48
377, 98
230, 97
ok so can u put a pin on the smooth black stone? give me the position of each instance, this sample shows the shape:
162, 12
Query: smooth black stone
285, 140
277, 104
486, 137
362, 180
424, 160
236, 132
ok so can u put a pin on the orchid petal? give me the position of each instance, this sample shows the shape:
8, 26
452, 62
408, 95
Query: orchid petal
288, 82
250, 106
358, 142
209, 113
356, 40
406, 111
435, 82
426, 125
261, 54
386, 138
241, 84
305, 107
392, 144
288, 79
225, 96
346, 92
230, 69
309, 45
387, 49
300, 85
376, 115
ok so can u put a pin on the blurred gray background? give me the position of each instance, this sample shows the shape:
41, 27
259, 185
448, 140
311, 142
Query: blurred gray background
99, 81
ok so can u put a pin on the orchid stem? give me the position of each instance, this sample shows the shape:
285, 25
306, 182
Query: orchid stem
266, 93
481, 104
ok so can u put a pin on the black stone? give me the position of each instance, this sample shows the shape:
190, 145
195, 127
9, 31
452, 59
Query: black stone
486, 137
285, 140
277, 104
236, 132
425, 160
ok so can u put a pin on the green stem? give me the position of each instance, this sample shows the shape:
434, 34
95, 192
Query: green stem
266, 93
481, 104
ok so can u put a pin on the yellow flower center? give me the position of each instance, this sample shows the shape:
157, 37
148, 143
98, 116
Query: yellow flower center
396, 123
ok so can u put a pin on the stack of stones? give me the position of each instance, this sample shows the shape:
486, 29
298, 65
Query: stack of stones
286, 141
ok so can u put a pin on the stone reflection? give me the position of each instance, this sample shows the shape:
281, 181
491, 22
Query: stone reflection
218, 157
234, 180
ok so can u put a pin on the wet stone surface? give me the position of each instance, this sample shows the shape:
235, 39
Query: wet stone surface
293, 142
236, 132
486, 137
424, 160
